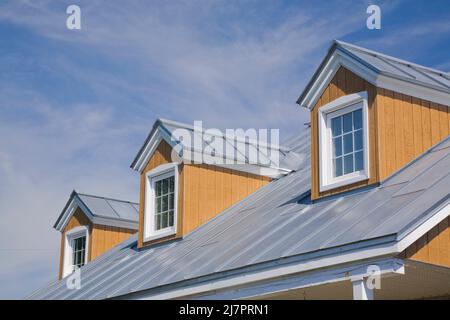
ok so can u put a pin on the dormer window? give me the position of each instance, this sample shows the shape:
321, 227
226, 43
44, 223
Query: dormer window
160, 213
76, 249
343, 141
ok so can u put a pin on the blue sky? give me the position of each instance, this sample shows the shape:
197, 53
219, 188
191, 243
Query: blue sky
75, 106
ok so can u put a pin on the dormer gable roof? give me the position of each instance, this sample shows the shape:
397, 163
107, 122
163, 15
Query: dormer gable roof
381, 70
100, 210
163, 129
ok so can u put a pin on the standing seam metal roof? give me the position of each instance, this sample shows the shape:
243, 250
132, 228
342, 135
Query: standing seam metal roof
276, 222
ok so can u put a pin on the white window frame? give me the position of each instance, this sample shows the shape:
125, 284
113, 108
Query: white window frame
162, 172
335, 108
72, 234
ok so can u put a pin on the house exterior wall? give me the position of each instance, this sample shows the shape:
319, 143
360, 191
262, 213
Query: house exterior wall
401, 128
204, 191
101, 238
433, 247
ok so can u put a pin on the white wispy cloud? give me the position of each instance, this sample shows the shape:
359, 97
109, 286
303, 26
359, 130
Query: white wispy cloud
230, 64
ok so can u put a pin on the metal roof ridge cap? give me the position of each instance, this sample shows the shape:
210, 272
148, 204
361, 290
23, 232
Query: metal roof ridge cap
106, 198
386, 56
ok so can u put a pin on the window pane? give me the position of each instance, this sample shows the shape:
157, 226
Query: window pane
165, 205
171, 184
158, 188
358, 140
347, 120
337, 147
348, 164
165, 186
337, 167
336, 126
164, 220
357, 119
171, 218
171, 200
158, 205
158, 222
359, 163
348, 143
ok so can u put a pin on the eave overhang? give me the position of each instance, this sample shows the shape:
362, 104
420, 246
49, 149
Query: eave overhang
75, 202
338, 56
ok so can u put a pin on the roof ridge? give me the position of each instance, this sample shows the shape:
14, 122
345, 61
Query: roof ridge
279, 146
105, 198
392, 58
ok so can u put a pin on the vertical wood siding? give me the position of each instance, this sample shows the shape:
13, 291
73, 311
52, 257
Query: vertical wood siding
204, 192
433, 247
407, 127
105, 237
208, 190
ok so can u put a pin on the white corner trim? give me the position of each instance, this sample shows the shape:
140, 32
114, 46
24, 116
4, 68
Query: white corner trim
151, 146
162, 171
68, 237
336, 60
345, 104
69, 212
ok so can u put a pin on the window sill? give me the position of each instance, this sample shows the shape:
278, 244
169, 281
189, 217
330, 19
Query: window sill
344, 181
160, 234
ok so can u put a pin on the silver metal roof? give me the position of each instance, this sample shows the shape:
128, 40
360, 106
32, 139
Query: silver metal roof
274, 224
101, 210
111, 208
398, 68
241, 149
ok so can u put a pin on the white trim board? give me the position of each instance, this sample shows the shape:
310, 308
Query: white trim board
76, 202
342, 105
348, 272
70, 235
340, 58
189, 155
161, 172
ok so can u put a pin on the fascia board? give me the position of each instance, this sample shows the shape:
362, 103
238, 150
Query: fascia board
377, 78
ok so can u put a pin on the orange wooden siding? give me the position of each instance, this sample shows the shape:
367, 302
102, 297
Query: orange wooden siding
344, 83
104, 238
407, 127
401, 128
208, 190
204, 191
433, 247
101, 238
